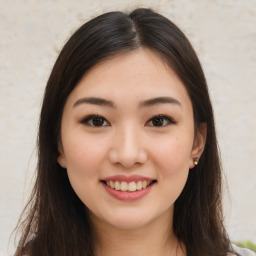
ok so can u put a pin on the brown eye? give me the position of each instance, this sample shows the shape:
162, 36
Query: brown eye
95, 121
98, 121
160, 121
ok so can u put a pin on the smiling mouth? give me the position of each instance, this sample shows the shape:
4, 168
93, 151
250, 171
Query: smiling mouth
129, 186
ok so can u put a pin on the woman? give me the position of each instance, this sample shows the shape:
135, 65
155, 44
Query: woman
127, 153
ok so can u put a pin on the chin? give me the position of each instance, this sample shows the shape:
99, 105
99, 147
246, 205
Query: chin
131, 220
129, 224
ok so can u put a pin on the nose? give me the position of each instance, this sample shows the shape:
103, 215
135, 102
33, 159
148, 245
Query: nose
127, 148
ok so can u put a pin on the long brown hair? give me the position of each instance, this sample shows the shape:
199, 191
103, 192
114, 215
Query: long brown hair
56, 222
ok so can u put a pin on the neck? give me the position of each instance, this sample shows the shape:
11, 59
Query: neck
155, 239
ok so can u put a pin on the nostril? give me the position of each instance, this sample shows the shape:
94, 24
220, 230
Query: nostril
127, 156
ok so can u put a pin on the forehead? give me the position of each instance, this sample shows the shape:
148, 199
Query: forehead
135, 74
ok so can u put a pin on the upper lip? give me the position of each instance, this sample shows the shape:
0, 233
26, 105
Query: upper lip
127, 178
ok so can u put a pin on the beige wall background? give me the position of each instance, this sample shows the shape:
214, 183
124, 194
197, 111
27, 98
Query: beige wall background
224, 36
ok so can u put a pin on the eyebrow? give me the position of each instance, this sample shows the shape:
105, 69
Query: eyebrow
159, 100
108, 103
95, 101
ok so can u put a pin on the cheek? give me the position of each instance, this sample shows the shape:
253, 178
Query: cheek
172, 158
173, 154
84, 160
84, 157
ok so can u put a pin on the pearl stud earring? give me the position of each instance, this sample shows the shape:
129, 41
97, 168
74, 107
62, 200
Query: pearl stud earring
196, 161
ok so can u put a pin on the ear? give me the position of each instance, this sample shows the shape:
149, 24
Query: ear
61, 157
199, 144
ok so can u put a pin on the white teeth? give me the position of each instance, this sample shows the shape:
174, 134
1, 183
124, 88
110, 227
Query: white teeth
125, 186
132, 186
144, 184
112, 184
117, 185
139, 185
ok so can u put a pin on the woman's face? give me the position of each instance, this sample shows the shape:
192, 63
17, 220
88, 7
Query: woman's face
127, 137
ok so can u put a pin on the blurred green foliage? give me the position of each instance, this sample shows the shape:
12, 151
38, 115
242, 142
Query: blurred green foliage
247, 244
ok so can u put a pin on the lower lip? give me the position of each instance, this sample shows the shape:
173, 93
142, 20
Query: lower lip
128, 196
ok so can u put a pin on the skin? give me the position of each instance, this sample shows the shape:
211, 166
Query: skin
128, 142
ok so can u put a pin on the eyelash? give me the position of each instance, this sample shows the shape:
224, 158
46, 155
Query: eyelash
164, 120
91, 118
